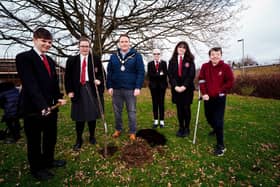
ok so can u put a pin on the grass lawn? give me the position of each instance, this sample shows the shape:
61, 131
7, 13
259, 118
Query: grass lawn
252, 138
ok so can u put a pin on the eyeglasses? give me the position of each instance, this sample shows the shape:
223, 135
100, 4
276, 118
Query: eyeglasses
156, 53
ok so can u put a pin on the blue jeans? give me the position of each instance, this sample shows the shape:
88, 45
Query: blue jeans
119, 97
214, 112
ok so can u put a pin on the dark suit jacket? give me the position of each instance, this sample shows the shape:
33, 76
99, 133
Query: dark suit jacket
39, 90
72, 75
187, 80
155, 78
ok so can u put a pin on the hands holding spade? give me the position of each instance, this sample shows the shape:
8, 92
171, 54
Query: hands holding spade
47, 111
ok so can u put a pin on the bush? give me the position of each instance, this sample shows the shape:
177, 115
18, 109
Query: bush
247, 90
259, 85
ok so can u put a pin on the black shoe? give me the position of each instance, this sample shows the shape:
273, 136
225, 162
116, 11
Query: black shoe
186, 132
179, 133
155, 126
78, 145
219, 151
42, 175
212, 133
161, 126
58, 163
92, 140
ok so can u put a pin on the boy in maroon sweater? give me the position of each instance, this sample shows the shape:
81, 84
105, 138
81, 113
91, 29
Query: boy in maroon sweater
215, 80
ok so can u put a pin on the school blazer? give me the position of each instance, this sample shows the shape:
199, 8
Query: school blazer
187, 79
39, 90
72, 75
157, 78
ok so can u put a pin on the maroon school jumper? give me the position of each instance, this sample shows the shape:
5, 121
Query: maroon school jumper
215, 80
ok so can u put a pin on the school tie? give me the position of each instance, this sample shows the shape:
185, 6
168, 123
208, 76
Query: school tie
83, 74
157, 65
180, 66
46, 63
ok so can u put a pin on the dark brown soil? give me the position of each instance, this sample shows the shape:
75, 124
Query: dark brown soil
110, 151
137, 153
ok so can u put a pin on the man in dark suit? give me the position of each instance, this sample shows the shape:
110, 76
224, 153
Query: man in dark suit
40, 91
157, 73
82, 77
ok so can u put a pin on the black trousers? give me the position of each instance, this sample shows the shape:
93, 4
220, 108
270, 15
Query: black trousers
184, 115
214, 110
14, 127
80, 125
41, 134
158, 95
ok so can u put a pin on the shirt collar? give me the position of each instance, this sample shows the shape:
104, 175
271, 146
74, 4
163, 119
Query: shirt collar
157, 61
124, 53
82, 57
37, 51
181, 55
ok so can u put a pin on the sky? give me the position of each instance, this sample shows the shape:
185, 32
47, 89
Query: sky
259, 26
260, 29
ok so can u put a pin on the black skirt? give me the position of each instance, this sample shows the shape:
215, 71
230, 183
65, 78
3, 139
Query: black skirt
86, 107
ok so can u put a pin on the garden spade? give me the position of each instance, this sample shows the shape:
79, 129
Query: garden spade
100, 107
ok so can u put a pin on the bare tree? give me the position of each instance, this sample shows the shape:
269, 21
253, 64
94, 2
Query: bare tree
146, 21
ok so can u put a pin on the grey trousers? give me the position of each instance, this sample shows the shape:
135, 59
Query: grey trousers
121, 96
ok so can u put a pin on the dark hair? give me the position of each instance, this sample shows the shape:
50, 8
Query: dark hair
124, 35
188, 55
42, 33
215, 49
84, 39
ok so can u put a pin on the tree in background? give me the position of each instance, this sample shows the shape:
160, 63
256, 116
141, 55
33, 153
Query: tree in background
146, 21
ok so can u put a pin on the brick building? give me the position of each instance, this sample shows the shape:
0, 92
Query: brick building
8, 72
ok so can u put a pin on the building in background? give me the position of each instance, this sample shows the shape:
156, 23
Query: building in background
8, 72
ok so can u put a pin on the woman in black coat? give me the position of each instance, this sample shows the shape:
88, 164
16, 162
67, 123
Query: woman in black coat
157, 73
181, 73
